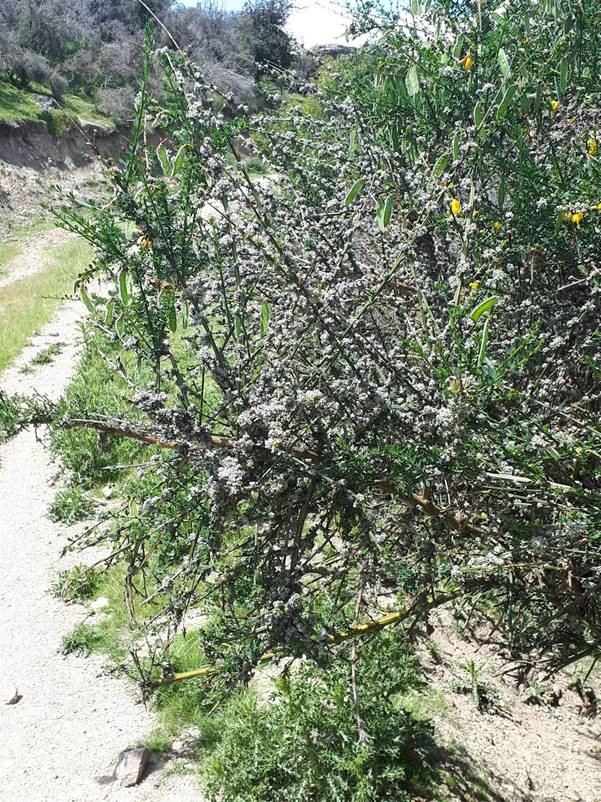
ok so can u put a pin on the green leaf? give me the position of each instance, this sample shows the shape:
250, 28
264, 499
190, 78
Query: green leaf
384, 212
239, 326
120, 325
123, 287
478, 114
482, 308
354, 191
110, 312
440, 165
164, 159
504, 64
458, 46
89, 304
412, 82
172, 318
502, 192
456, 143
179, 160
506, 102
264, 318
185, 315
564, 74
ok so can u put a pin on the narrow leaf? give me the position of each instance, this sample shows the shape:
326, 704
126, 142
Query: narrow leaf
89, 304
110, 312
456, 143
440, 165
164, 159
179, 160
564, 74
506, 102
412, 82
384, 212
502, 192
172, 318
264, 318
354, 191
123, 287
482, 308
504, 64
483, 343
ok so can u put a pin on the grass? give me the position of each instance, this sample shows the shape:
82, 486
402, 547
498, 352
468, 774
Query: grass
27, 305
8, 251
18, 105
84, 110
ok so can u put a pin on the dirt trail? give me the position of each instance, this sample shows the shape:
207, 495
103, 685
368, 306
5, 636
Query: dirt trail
34, 258
61, 741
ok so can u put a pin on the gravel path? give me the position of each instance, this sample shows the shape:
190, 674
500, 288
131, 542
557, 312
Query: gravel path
60, 743
34, 257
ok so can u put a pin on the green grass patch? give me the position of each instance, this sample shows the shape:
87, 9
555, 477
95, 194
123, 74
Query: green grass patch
28, 304
84, 110
17, 105
8, 251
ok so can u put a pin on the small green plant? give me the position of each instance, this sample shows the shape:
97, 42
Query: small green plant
255, 165
82, 640
323, 737
77, 584
46, 355
70, 506
474, 683
58, 122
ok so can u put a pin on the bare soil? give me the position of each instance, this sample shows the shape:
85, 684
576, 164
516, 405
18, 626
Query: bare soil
548, 750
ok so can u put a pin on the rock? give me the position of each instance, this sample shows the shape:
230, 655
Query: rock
11, 695
131, 765
99, 604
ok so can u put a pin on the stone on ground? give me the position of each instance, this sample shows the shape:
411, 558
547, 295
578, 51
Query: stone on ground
131, 765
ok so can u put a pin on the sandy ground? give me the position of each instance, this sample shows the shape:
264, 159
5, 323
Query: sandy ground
60, 743
523, 752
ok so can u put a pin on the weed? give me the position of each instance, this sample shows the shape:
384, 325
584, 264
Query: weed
82, 640
77, 584
484, 695
307, 743
46, 355
70, 505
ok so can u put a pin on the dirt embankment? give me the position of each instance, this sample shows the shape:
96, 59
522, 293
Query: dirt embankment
32, 161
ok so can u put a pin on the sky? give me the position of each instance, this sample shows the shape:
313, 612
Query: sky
312, 22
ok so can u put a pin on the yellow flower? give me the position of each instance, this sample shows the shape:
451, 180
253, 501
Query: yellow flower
554, 106
474, 285
497, 225
467, 62
591, 146
145, 242
577, 218
455, 206
599, 207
